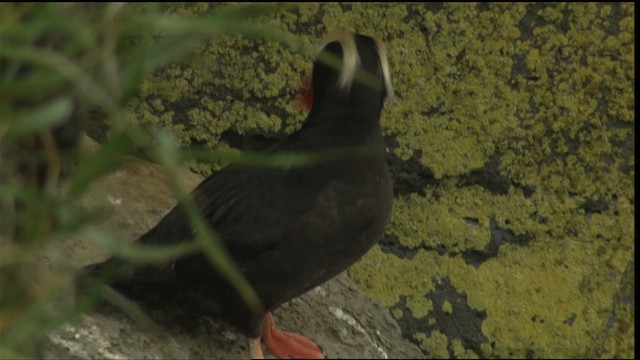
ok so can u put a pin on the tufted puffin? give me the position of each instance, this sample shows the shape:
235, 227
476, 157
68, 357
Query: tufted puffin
287, 229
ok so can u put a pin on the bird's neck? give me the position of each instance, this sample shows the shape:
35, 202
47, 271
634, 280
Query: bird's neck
344, 125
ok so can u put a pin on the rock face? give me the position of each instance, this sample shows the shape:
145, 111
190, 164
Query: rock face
344, 322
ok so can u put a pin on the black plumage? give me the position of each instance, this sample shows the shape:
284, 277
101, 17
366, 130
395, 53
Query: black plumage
288, 229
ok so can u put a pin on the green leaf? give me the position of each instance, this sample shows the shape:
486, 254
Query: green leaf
39, 320
88, 87
45, 117
275, 160
36, 83
140, 254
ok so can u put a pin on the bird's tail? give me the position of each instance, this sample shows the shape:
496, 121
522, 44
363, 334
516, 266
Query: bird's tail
148, 283
93, 278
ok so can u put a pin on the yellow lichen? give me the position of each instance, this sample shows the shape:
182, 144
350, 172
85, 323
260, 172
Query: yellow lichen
459, 352
567, 149
397, 313
419, 306
447, 308
404, 276
436, 343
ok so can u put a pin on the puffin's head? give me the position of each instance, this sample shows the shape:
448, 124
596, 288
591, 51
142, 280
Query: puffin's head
349, 67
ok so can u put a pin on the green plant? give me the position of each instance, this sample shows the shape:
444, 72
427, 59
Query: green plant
61, 64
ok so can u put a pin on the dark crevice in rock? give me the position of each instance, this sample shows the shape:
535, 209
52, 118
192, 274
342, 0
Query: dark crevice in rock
409, 325
591, 206
489, 177
390, 244
460, 321
457, 321
571, 319
499, 236
539, 218
408, 176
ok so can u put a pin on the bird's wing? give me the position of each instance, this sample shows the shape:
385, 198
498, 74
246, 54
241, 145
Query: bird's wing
239, 204
242, 205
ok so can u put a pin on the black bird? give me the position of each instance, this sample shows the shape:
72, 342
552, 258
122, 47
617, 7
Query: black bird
288, 229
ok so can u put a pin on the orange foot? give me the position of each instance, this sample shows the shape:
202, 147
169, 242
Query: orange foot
286, 345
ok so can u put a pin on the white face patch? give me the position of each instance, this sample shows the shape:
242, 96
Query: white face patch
386, 70
350, 56
351, 59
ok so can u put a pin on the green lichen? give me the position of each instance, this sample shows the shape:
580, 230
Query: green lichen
397, 313
447, 308
557, 105
436, 342
454, 85
403, 277
424, 221
459, 352
419, 305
